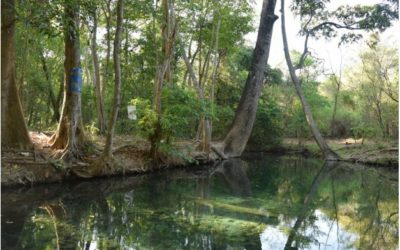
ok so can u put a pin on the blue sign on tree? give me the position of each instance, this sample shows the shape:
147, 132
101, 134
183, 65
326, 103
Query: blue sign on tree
76, 80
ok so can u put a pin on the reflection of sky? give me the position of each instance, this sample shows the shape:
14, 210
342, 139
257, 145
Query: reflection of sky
324, 234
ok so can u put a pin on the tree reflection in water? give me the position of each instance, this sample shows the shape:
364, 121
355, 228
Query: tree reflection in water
267, 202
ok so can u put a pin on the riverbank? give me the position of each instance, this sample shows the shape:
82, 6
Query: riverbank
374, 153
131, 158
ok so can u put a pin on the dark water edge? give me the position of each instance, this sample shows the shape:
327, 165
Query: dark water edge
258, 202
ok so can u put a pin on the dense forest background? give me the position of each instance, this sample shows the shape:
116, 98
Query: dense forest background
207, 52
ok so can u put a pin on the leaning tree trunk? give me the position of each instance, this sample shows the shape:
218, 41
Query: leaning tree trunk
239, 133
107, 153
101, 121
329, 154
69, 135
14, 133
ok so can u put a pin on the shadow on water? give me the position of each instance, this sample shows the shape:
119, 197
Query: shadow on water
259, 203
233, 172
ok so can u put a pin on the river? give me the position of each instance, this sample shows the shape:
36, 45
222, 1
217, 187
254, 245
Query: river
257, 202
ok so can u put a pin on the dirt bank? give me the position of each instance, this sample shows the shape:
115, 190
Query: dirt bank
130, 157
374, 153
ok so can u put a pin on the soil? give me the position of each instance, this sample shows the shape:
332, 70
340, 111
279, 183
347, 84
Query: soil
41, 166
131, 157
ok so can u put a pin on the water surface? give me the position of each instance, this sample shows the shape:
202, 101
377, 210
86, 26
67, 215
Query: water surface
259, 202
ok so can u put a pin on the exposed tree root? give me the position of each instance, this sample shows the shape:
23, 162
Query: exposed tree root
218, 149
104, 166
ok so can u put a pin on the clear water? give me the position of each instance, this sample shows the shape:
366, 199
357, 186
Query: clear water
259, 202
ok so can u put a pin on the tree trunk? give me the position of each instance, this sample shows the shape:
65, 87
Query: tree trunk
214, 72
101, 121
334, 110
338, 83
168, 37
204, 123
117, 87
164, 69
380, 119
239, 133
14, 133
53, 100
107, 13
329, 154
69, 135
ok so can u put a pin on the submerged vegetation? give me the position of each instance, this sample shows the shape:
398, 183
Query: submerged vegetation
239, 203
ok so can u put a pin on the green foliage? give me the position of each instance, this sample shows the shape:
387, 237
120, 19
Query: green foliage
223, 118
268, 128
172, 151
181, 112
146, 116
319, 22
372, 82
375, 81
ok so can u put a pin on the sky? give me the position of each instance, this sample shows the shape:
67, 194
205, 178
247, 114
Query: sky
328, 51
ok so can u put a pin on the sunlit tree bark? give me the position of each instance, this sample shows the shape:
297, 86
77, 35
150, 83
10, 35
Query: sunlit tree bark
70, 135
163, 73
329, 154
239, 133
14, 133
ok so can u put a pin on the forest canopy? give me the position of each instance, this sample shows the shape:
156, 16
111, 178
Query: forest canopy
185, 66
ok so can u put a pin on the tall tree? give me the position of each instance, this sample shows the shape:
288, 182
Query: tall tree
329, 154
14, 133
239, 133
337, 80
163, 73
53, 101
107, 153
318, 22
106, 8
70, 135
376, 85
101, 121
205, 122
